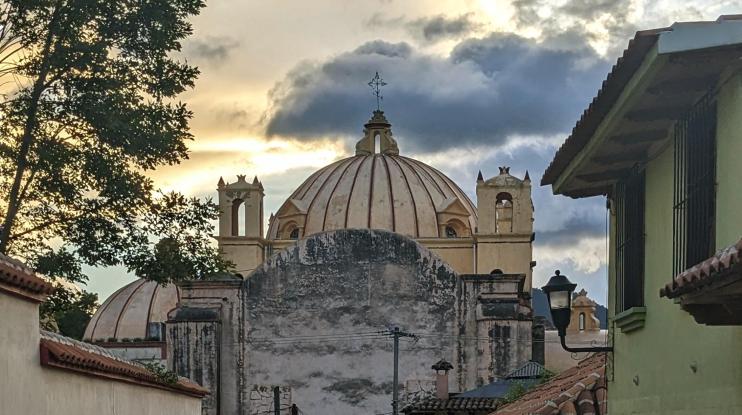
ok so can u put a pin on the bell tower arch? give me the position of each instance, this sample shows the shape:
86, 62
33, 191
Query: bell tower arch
241, 237
505, 229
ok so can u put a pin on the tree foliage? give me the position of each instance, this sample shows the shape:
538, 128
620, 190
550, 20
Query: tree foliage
88, 108
68, 311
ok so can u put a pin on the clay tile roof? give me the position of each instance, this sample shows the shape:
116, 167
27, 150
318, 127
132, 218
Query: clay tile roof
454, 404
705, 271
22, 280
64, 353
607, 96
527, 371
565, 391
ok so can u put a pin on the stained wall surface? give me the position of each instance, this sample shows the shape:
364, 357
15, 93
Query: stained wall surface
347, 285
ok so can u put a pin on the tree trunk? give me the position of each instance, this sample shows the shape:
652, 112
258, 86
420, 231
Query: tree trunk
28, 136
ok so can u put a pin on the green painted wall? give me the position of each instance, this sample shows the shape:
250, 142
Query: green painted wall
660, 354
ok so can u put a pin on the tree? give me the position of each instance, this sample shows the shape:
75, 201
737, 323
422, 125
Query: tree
88, 109
68, 311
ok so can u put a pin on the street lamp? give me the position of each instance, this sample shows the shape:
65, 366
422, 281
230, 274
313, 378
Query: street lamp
559, 293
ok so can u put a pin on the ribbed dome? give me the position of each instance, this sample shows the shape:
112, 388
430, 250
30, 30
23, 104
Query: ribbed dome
127, 313
377, 191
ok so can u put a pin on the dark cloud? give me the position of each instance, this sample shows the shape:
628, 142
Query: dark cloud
486, 91
572, 19
429, 29
212, 49
441, 27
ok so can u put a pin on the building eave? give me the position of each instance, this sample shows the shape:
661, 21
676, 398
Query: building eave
660, 76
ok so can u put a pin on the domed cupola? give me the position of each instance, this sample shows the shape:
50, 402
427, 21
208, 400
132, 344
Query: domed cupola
376, 189
137, 311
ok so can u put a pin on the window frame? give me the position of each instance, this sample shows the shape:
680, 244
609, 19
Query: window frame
694, 185
630, 251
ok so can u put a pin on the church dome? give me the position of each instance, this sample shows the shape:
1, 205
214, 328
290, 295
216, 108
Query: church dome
376, 189
129, 312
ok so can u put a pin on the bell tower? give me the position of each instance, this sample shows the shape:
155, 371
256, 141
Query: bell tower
241, 237
505, 231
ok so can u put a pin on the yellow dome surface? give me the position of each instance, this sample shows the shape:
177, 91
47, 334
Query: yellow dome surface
376, 191
127, 313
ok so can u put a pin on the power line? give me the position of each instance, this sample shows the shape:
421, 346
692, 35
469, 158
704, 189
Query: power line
380, 335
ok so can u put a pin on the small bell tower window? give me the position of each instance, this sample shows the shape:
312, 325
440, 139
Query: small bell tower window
451, 232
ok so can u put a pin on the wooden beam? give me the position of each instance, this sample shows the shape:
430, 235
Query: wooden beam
657, 113
639, 137
621, 157
587, 192
602, 176
683, 86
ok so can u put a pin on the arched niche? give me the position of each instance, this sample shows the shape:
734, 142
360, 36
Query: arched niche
504, 212
238, 217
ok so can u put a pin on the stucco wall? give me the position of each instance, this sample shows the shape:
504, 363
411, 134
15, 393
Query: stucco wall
28, 388
660, 356
346, 282
558, 360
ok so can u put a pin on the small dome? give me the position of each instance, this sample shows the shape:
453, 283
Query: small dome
375, 191
128, 312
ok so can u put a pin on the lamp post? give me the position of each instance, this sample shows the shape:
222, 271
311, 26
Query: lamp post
559, 293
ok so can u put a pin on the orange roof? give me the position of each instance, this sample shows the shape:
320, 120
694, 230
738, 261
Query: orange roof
64, 353
704, 272
578, 390
20, 280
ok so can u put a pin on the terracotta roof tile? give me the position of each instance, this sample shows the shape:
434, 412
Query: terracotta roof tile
23, 280
569, 391
65, 353
704, 272
454, 403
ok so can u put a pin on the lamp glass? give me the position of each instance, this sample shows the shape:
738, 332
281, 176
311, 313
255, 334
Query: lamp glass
559, 300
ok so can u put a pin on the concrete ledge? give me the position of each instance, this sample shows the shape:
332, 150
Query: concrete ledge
631, 319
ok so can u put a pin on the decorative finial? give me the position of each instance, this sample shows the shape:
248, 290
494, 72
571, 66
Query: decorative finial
240, 178
504, 170
376, 83
221, 182
255, 180
479, 176
528, 177
557, 272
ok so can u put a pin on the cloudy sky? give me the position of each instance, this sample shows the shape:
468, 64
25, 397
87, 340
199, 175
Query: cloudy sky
472, 85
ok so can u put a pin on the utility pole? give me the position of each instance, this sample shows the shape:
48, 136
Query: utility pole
396, 333
276, 400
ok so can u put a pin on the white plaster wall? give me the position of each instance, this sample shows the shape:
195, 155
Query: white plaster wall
27, 388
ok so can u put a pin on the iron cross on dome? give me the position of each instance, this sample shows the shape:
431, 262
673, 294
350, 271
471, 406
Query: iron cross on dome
376, 83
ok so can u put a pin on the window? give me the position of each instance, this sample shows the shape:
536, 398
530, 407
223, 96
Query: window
695, 186
629, 201
451, 232
294, 234
582, 321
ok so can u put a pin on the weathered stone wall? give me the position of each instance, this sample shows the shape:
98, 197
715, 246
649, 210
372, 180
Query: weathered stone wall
495, 328
193, 351
190, 330
340, 284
